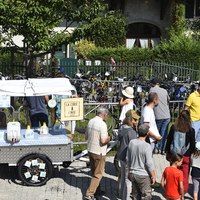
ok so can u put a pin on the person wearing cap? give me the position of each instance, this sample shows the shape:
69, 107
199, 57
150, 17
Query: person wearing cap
126, 101
140, 165
127, 132
195, 173
162, 114
193, 104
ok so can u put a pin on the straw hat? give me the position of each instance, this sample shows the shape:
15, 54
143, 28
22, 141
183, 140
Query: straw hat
128, 92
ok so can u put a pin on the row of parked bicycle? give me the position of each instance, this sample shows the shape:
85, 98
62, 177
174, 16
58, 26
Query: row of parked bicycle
106, 87
92, 87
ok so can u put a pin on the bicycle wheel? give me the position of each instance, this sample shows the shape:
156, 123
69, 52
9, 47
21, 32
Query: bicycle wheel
35, 170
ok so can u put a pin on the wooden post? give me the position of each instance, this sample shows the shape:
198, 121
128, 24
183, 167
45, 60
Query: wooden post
36, 64
53, 75
47, 63
53, 64
12, 77
25, 59
12, 65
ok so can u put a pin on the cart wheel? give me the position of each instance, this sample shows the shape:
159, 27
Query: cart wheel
35, 170
117, 163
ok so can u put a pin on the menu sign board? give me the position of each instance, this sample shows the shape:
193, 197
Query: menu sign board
71, 109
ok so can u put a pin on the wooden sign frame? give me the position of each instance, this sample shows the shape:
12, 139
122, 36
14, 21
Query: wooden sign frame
71, 109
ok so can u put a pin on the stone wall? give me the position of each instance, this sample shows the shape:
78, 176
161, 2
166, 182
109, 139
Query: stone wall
147, 11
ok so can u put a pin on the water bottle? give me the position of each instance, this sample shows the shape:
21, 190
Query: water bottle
44, 130
29, 132
13, 131
57, 126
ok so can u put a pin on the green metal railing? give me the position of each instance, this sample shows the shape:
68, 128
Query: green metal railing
148, 70
183, 71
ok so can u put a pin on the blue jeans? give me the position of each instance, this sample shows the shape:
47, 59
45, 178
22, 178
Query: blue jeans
39, 117
162, 125
196, 127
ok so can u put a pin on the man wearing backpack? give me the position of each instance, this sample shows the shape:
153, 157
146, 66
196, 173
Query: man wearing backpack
193, 104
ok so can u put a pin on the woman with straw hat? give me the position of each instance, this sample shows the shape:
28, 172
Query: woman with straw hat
126, 101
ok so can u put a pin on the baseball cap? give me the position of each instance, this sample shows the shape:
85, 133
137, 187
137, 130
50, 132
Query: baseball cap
156, 81
133, 114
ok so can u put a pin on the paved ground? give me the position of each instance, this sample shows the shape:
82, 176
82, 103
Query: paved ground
72, 183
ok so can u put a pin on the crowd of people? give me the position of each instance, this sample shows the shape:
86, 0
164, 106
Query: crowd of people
137, 143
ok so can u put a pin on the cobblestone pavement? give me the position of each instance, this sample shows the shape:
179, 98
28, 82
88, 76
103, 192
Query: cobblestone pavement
72, 183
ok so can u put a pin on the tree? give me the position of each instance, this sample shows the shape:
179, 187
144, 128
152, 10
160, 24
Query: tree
107, 30
83, 49
36, 20
178, 24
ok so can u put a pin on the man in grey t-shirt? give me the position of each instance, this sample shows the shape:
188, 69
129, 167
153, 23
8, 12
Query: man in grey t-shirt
140, 165
162, 113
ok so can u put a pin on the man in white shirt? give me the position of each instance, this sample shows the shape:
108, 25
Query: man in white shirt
97, 136
148, 118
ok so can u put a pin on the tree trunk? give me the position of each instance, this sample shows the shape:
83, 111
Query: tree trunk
53, 75
47, 63
53, 64
12, 65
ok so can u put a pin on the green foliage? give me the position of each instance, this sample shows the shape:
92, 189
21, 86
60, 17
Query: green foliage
194, 28
107, 30
83, 48
5, 57
178, 25
36, 20
178, 49
122, 54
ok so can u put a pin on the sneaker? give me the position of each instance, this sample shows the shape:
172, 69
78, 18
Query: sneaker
101, 194
163, 152
89, 197
155, 151
156, 185
159, 151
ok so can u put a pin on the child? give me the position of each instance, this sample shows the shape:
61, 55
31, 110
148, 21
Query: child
126, 101
172, 179
195, 173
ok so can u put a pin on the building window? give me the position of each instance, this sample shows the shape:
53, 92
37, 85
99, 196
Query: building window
61, 48
197, 8
192, 8
142, 35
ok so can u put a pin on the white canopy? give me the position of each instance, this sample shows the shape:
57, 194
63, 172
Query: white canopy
36, 87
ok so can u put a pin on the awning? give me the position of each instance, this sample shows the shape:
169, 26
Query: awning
36, 87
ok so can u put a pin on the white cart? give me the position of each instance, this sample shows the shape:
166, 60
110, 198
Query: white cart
35, 157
